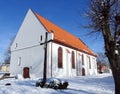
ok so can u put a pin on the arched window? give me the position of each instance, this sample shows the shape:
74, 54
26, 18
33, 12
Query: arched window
60, 58
82, 59
73, 60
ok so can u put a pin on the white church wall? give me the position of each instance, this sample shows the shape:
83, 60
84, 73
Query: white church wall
94, 62
31, 33
57, 72
31, 57
73, 72
93, 69
78, 64
27, 46
93, 65
90, 64
85, 66
61, 72
49, 59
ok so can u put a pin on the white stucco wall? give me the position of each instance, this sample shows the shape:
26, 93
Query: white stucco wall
29, 33
93, 69
32, 57
67, 67
64, 72
28, 47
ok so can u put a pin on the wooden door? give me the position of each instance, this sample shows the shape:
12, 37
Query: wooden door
83, 72
26, 72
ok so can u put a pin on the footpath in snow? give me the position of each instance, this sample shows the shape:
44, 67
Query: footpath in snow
100, 84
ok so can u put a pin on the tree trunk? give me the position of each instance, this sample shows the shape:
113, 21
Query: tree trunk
113, 54
113, 57
114, 60
117, 80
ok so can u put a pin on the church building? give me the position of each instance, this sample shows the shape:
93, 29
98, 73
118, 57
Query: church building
40, 41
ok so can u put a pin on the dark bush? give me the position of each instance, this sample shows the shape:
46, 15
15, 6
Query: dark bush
53, 83
7, 84
39, 83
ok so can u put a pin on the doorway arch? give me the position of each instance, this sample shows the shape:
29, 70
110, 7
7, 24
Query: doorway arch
83, 71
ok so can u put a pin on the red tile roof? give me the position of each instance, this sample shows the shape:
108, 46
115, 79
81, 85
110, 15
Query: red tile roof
63, 36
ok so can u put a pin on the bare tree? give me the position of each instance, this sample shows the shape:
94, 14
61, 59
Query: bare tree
7, 53
104, 17
7, 56
102, 63
101, 57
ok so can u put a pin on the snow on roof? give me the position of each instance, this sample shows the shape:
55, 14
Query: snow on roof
64, 37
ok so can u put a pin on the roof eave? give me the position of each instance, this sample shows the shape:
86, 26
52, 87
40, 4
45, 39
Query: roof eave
64, 44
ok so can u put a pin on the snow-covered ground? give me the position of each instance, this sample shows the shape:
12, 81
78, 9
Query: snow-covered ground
100, 84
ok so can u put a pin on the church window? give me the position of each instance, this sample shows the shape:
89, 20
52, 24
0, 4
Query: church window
82, 59
60, 57
16, 45
89, 62
73, 60
41, 37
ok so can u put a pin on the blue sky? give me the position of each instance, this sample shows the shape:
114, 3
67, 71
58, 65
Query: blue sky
67, 14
